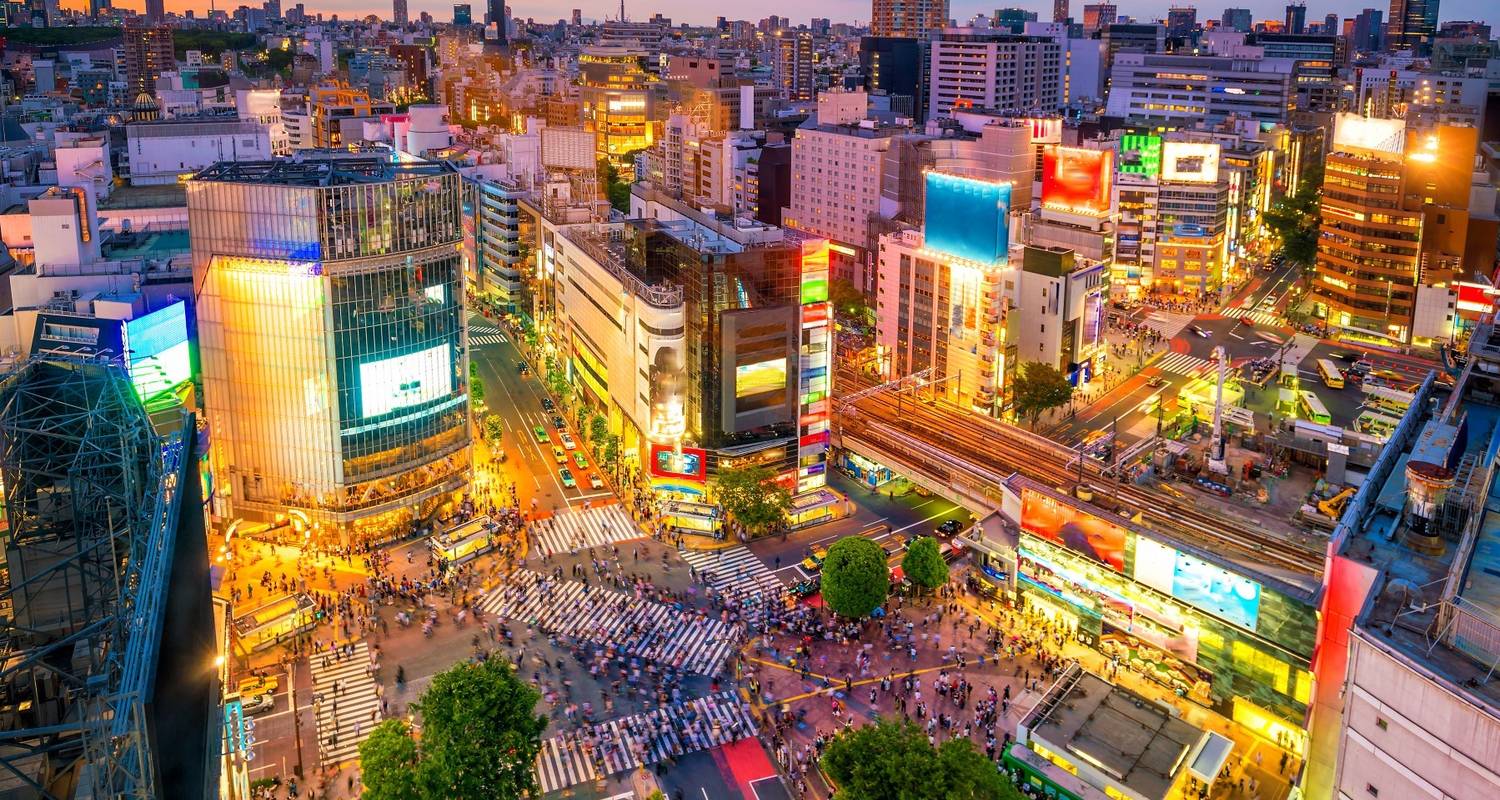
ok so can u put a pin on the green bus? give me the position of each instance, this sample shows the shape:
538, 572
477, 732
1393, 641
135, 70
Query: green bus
1027, 768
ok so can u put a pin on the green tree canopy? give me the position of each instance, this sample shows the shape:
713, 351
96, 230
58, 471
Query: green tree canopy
476, 389
494, 427
1038, 387
850, 303
598, 428
1294, 218
752, 496
855, 577
894, 761
480, 733
388, 762
924, 563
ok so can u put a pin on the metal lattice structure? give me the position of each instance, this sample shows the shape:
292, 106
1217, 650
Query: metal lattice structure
90, 492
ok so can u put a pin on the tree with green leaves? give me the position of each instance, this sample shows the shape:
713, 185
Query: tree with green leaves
894, 761
558, 384
855, 577
850, 304
924, 563
752, 497
494, 427
611, 450
1295, 218
1037, 388
480, 733
598, 428
388, 762
476, 389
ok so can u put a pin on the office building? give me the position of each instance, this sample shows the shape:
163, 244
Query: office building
1296, 18
1060, 11
907, 17
1097, 15
493, 261
1130, 37
167, 151
1412, 26
1012, 19
984, 69
894, 66
645, 37
1238, 19
496, 28
1422, 97
619, 99
331, 322
836, 169
156, 11
1368, 34
1258, 89
463, 15
398, 12
1181, 21
148, 53
333, 107
1315, 67
792, 69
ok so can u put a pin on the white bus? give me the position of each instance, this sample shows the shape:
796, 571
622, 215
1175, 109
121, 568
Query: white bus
1313, 409
1387, 400
1332, 376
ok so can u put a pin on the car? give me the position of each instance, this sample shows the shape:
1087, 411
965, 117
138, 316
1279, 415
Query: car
1348, 358
1199, 331
521, 368
1156, 381
547, 404
814, 561
540, 433
950, 527
258, 684
595, 482
891, 545
257, 703
1246, 322
559, 423
1150, 405
901, 539
567, 440
567, 478
808, 587
579, 460
560, 454
951, 551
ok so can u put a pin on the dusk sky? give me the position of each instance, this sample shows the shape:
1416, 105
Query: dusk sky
694, 11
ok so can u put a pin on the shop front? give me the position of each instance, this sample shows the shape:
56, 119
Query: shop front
872, 474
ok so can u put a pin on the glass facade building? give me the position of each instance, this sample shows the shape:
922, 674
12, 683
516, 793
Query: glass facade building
331, 314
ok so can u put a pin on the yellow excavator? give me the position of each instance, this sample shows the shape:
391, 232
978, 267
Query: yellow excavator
1334, 506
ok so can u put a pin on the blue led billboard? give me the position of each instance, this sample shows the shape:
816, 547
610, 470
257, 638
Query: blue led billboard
1216, 590
156, 346
967, 218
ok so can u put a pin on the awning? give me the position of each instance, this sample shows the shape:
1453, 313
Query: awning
1209, 756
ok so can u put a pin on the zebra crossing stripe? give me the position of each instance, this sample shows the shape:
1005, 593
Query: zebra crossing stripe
344, 718
591, 527
1181, 363
645, 738
486, 339
735, 573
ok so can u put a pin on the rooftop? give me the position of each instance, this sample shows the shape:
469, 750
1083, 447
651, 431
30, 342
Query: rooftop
167, 195
320, 168
1129, 738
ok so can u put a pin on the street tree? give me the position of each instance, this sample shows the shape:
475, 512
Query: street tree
894, 761
494, 427
855, 578
1295, 218
476, 389
850, 303
480, 733
598, 428
611, 450
558, 385
1039, 388
924, 563
388, 762
752, 497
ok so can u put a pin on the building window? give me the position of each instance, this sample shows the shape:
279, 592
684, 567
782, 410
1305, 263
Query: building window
1372, 790
1381, 723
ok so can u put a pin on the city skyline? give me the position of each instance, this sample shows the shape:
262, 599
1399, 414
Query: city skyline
837, 10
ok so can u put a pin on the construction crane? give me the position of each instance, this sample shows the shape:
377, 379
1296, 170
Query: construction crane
1216, 446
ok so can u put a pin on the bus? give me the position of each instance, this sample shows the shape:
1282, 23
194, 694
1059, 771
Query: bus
1313, 409
1387, 400
1329, 372
1045, 779
274, 622
463, 542
1377, 424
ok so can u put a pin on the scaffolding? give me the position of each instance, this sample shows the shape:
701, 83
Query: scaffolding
91, 494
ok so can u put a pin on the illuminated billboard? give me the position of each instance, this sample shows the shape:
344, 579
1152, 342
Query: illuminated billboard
1190, 162
759, 378
1198, 583
692, 465
967, 218
1077, 180
157, 348
1353, 132
404, 381
1073, 528
1140, 154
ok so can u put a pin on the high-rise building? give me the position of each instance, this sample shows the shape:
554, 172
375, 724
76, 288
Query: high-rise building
331, 322
793, 66
148, 53
398, 12
1012, 19
1296, 18
894, 65
1097, 15
463, 14
907, 17
156, 11
1255, 89
618, 99
577, 17
993, 70
1238, 19
1060, 10
1368, 35
497, 27
1181, 21
1118, 36
1412, 25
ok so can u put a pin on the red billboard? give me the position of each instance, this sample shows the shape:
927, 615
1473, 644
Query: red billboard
1073, 528
693, 465
1077, 180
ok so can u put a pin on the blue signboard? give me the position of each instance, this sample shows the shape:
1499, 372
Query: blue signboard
1216, 590
967, 218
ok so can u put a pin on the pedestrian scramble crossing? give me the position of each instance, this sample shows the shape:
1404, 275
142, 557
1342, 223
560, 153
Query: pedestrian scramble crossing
1258, 317
597, 751
582, 528
734, 573
683, 639
1181, 363
476, 340
346, 701
1167, 323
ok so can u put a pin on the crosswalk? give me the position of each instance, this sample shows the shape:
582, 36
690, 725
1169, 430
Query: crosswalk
623, 744
1181, 363
346, 701
683, 639
580, 528
1258, 317
485, 339
1167, 323
734, 573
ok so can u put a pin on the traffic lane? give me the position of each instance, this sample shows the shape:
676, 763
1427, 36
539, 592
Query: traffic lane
1411, 367
1121, 403
521, 411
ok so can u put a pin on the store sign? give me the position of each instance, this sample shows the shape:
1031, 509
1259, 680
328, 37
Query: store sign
1202, 585
693, 464
967, 218
1190, 162
1073, 528
1077, 180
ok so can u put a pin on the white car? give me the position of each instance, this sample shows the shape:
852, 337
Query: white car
1195, 329
257, 703
595, 482
567, 440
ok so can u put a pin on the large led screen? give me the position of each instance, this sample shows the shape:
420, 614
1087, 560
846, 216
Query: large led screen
1216, 590
1073, 528
157, 348
967, 218
762, 377
665, 463
1077, 179
1190, 162
403, 381
1140, 154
